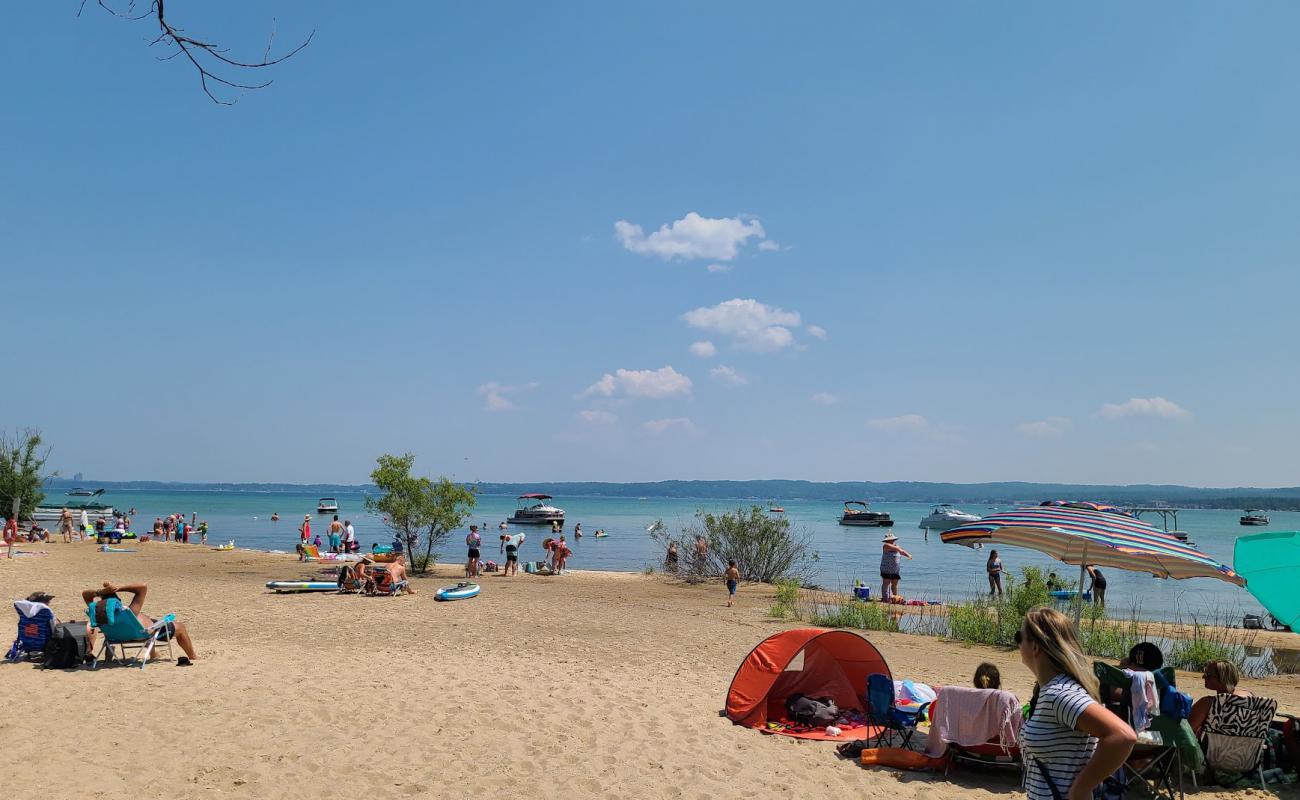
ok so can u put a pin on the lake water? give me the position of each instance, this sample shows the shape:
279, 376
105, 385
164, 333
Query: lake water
937, 571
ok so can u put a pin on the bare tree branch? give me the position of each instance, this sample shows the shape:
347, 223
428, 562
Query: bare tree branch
204, 56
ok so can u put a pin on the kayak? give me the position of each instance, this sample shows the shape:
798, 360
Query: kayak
1069, 594
460, 591
302, 586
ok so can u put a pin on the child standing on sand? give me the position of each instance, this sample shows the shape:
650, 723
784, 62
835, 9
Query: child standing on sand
733, 580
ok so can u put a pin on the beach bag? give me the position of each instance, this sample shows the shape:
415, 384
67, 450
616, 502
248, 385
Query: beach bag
67, 648
816, 711
1173, 703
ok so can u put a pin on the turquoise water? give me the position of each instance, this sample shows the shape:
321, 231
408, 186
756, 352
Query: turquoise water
937, 571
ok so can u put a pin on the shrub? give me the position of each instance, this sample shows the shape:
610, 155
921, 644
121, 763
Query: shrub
843, 612
785, 603
764, 548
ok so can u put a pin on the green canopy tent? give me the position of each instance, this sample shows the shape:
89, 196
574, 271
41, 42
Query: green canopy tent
1270, 563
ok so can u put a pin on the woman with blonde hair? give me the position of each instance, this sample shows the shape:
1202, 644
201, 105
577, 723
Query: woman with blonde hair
1221, 677
1070, 741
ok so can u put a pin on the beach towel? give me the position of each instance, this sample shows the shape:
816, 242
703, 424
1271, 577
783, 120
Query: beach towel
1146, 703
966, 716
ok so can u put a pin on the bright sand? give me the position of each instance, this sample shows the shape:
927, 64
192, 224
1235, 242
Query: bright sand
582, 685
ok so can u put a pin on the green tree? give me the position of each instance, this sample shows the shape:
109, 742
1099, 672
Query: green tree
21, 464
420, 511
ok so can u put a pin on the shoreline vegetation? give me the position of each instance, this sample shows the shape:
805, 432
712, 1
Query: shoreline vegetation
1005, 493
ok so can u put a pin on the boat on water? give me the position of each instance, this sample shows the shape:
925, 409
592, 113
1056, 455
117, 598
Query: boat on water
1254, 517
79, 492
327, 505
53, 513
945, 516
773, 508
858, 513
534, 510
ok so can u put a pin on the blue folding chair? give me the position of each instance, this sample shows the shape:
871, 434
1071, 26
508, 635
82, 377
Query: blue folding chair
882, 713
34, 630
123, 630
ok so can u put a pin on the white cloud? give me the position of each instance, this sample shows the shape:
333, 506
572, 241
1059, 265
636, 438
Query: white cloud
905, 422
1052, 426
691, 237
826, 399
597, 417
728, 376
751, 324
768, 246
703, 349
1144, 407
817, 331
719, 268
662, 382
495, 394
661, 426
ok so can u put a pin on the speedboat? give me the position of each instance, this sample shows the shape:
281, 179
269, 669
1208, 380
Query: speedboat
327, 505
773, 508
79, 492
857, 512
1253, 517
534, 510
54, 513
944, 517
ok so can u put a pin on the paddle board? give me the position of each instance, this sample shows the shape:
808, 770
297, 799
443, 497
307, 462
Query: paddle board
1069, 594
601, 535
460, 591
302, 586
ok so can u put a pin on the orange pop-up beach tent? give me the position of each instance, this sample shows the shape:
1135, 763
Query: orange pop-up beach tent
834, 664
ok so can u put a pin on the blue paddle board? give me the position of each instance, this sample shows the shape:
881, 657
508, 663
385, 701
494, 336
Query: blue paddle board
461, 591
1069, 594
302, 586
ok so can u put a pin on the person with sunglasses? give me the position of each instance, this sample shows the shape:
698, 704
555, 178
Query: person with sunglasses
1071, 743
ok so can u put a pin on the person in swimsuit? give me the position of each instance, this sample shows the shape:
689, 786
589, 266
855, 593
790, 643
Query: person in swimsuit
335, 534
11, 535
512, 556
1098, 587
994, 569
65, 525
473, 541
670, 560
733, 580
304, 531
889, 567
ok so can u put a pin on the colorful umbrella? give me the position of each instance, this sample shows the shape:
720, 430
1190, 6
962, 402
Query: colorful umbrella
1083, 536
1271, 562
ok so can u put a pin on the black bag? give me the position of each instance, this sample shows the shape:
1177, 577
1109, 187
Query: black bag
818, 711
67, 647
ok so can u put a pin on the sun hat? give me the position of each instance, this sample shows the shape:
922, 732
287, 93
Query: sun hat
889, 537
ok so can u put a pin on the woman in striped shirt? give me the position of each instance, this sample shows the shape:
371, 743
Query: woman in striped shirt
1070, 741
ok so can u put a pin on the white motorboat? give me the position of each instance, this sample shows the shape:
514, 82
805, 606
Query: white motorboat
327, 505
944, 517
534, 510
79, 492
1253, 517
53, 513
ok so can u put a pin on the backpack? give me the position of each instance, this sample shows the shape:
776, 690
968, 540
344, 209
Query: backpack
66, 648
816, 711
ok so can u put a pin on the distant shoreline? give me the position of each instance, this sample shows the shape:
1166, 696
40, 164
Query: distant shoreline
760, 491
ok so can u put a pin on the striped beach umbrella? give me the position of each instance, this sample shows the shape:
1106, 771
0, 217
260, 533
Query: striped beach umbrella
1080, 536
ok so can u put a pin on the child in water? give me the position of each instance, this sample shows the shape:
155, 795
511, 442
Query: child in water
733, 580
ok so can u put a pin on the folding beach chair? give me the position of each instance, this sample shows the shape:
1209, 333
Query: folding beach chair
379, 581
1158, 767
1235, 733
123, 631
882, 713
35, 626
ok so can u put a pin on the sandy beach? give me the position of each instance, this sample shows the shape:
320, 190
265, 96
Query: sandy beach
583, 685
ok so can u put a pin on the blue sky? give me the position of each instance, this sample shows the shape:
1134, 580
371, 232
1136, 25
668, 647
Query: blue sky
958, 241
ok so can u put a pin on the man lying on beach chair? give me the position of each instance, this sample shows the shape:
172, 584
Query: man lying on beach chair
127, 626
386, 579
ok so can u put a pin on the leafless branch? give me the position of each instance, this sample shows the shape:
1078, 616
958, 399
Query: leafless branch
205, 57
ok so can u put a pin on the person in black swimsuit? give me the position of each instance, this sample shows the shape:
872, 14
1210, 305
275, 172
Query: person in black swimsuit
1098, 587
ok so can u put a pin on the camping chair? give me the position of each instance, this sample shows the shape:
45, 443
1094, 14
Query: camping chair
124, 630
1156, 766
379, 581
882, 713
1235, 733
35, 626
1001, 750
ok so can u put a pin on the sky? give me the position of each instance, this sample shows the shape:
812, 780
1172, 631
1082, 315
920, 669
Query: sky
590, 241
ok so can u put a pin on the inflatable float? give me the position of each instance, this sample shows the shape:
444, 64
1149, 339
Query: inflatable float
303, 586
1069, 594
461, 591
336, 557
226, 546
601, 534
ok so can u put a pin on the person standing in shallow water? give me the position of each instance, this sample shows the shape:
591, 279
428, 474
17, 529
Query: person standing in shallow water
994, 568
1098, 587
890, 566
335, 534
